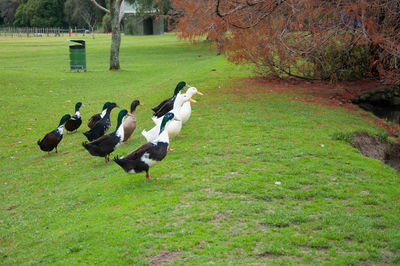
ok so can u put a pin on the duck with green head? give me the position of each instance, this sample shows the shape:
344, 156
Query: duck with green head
53, 138
100, 128
149, 154
106, 144
97, 117
167, 105
75, 121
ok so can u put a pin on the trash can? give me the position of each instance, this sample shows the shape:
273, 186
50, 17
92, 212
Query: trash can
77, 55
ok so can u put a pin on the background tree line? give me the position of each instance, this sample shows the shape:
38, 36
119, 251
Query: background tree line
50, 13
310, 39
65, 13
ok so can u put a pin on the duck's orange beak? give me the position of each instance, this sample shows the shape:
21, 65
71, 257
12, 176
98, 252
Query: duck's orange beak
141, 104
199, 93
191, 100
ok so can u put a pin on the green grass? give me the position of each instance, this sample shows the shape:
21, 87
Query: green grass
215, 199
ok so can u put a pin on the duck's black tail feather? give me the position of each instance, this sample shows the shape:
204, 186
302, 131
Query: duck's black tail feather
85, 144
121, 162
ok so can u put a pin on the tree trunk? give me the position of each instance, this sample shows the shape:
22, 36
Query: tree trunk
116, 35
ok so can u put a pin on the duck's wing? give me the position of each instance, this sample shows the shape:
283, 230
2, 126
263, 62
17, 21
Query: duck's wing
139, 151
100, 141
155, 109
165, 108
99, 129
93, 120
102, 146
50, 140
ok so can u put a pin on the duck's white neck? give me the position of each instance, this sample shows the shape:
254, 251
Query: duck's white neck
177, 108
60, 129
120, 131
163, 137
78, 114
103, 113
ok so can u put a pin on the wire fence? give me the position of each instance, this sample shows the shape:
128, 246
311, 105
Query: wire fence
39, 32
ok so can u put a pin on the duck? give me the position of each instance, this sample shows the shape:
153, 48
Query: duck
167, 105
106, 144
186, 109
100, 128
130, 122
150, 153
53, 138
96, 117
175, 124
75, 121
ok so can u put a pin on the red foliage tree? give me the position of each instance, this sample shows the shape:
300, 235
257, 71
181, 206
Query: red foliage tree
310, 39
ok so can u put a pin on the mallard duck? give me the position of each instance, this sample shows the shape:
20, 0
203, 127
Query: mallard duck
175, 125
75, 121
130, 122
167, 105
96, 117
100, 128
53, 138
149, 154
106, 144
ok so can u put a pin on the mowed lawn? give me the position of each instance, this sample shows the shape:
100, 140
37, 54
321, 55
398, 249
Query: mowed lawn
256, 178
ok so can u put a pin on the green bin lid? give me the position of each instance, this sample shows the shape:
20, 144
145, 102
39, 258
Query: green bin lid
78, 41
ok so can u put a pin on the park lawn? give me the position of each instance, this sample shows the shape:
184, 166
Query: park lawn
257, 176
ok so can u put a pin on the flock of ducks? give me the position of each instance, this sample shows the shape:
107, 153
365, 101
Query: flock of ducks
169, 116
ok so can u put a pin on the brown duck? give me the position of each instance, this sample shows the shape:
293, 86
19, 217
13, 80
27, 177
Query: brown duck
129, 123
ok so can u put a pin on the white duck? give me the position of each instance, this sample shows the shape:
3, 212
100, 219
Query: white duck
186, 109
175, 125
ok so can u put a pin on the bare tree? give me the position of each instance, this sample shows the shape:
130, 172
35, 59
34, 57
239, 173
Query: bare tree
80, 12
90, 20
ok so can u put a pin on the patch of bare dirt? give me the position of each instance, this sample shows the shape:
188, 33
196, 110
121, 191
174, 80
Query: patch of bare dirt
370, 146
164, 257
374, 148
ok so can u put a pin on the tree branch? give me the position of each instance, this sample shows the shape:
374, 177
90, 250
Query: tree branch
100, 6
241, 7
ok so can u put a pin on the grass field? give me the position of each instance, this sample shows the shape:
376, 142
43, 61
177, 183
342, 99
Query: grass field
215, 199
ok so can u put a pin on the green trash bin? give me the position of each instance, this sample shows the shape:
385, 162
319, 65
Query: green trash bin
77, 55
